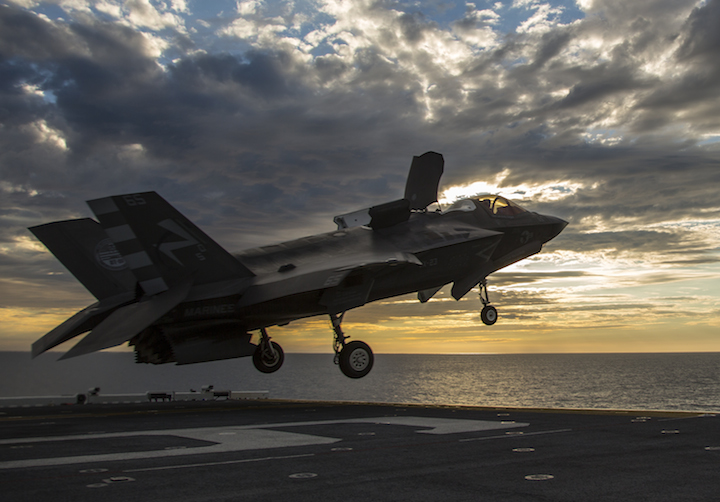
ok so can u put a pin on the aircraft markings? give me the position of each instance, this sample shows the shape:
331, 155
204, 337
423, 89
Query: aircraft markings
241, 438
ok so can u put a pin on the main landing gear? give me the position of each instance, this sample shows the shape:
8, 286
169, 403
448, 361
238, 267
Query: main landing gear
268, 356
488, 315
354, 358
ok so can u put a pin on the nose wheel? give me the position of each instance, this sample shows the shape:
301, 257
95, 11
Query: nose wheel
354, 358
488, 314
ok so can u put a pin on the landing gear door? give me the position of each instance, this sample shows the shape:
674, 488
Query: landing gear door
351, 293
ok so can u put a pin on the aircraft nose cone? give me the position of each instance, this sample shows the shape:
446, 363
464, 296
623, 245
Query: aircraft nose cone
556, 226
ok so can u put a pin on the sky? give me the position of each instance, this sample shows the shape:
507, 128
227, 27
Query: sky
262, 119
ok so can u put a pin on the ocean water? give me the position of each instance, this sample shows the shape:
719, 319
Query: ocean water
686, 381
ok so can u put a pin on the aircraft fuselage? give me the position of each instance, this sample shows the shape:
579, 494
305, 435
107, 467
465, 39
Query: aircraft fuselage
447, 259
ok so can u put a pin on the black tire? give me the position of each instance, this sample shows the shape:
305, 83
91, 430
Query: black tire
356, 359
489, 315
266, 364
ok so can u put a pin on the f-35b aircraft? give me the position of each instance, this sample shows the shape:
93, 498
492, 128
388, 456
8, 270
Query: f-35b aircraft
174, 294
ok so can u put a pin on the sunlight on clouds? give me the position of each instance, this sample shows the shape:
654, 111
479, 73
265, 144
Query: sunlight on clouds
241, 28
248, 7
133, 152
542, 21
179, 5
704, 230
45, 134
110, 8
7, 187
663, 64
585, 4
155, 45
143, 14
261, 33
448, 53
32, 89
540, 192
475, 28
23, 243
607, 138
20, 326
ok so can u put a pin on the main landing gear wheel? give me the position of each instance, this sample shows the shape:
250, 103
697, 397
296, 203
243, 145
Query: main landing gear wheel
356, 359
268, 356
488, 315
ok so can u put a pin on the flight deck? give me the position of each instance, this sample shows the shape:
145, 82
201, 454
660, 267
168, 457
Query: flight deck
310, 451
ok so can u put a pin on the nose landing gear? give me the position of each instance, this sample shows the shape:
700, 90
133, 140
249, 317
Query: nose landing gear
355, 358
488, 315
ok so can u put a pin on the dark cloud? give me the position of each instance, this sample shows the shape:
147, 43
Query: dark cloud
414, 25
702, 34
25, 35
551, 44
267, 143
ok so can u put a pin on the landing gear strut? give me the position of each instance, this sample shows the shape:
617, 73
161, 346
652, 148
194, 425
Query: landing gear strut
268, 356
355, 358
488, 315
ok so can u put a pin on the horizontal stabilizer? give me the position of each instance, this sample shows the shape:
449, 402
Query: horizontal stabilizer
83, 321
128, 321
161, 246
89, 254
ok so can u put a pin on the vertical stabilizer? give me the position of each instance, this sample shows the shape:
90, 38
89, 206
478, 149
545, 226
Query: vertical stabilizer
161, 246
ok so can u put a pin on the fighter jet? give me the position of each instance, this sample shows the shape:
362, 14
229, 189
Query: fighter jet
176, 295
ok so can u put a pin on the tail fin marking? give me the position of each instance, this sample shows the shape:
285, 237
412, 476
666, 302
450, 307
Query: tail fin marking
86, 250
127, 242
161, 246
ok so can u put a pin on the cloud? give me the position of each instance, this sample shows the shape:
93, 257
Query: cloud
263, 122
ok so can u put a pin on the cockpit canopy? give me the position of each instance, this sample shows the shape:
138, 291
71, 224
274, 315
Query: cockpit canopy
495, 204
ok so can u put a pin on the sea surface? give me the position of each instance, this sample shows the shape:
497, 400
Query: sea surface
685, 381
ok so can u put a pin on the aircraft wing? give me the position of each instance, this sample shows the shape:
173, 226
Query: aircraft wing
347, 279
439, 236
325, 275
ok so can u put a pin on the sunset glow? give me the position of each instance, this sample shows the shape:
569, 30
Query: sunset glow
261, 120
